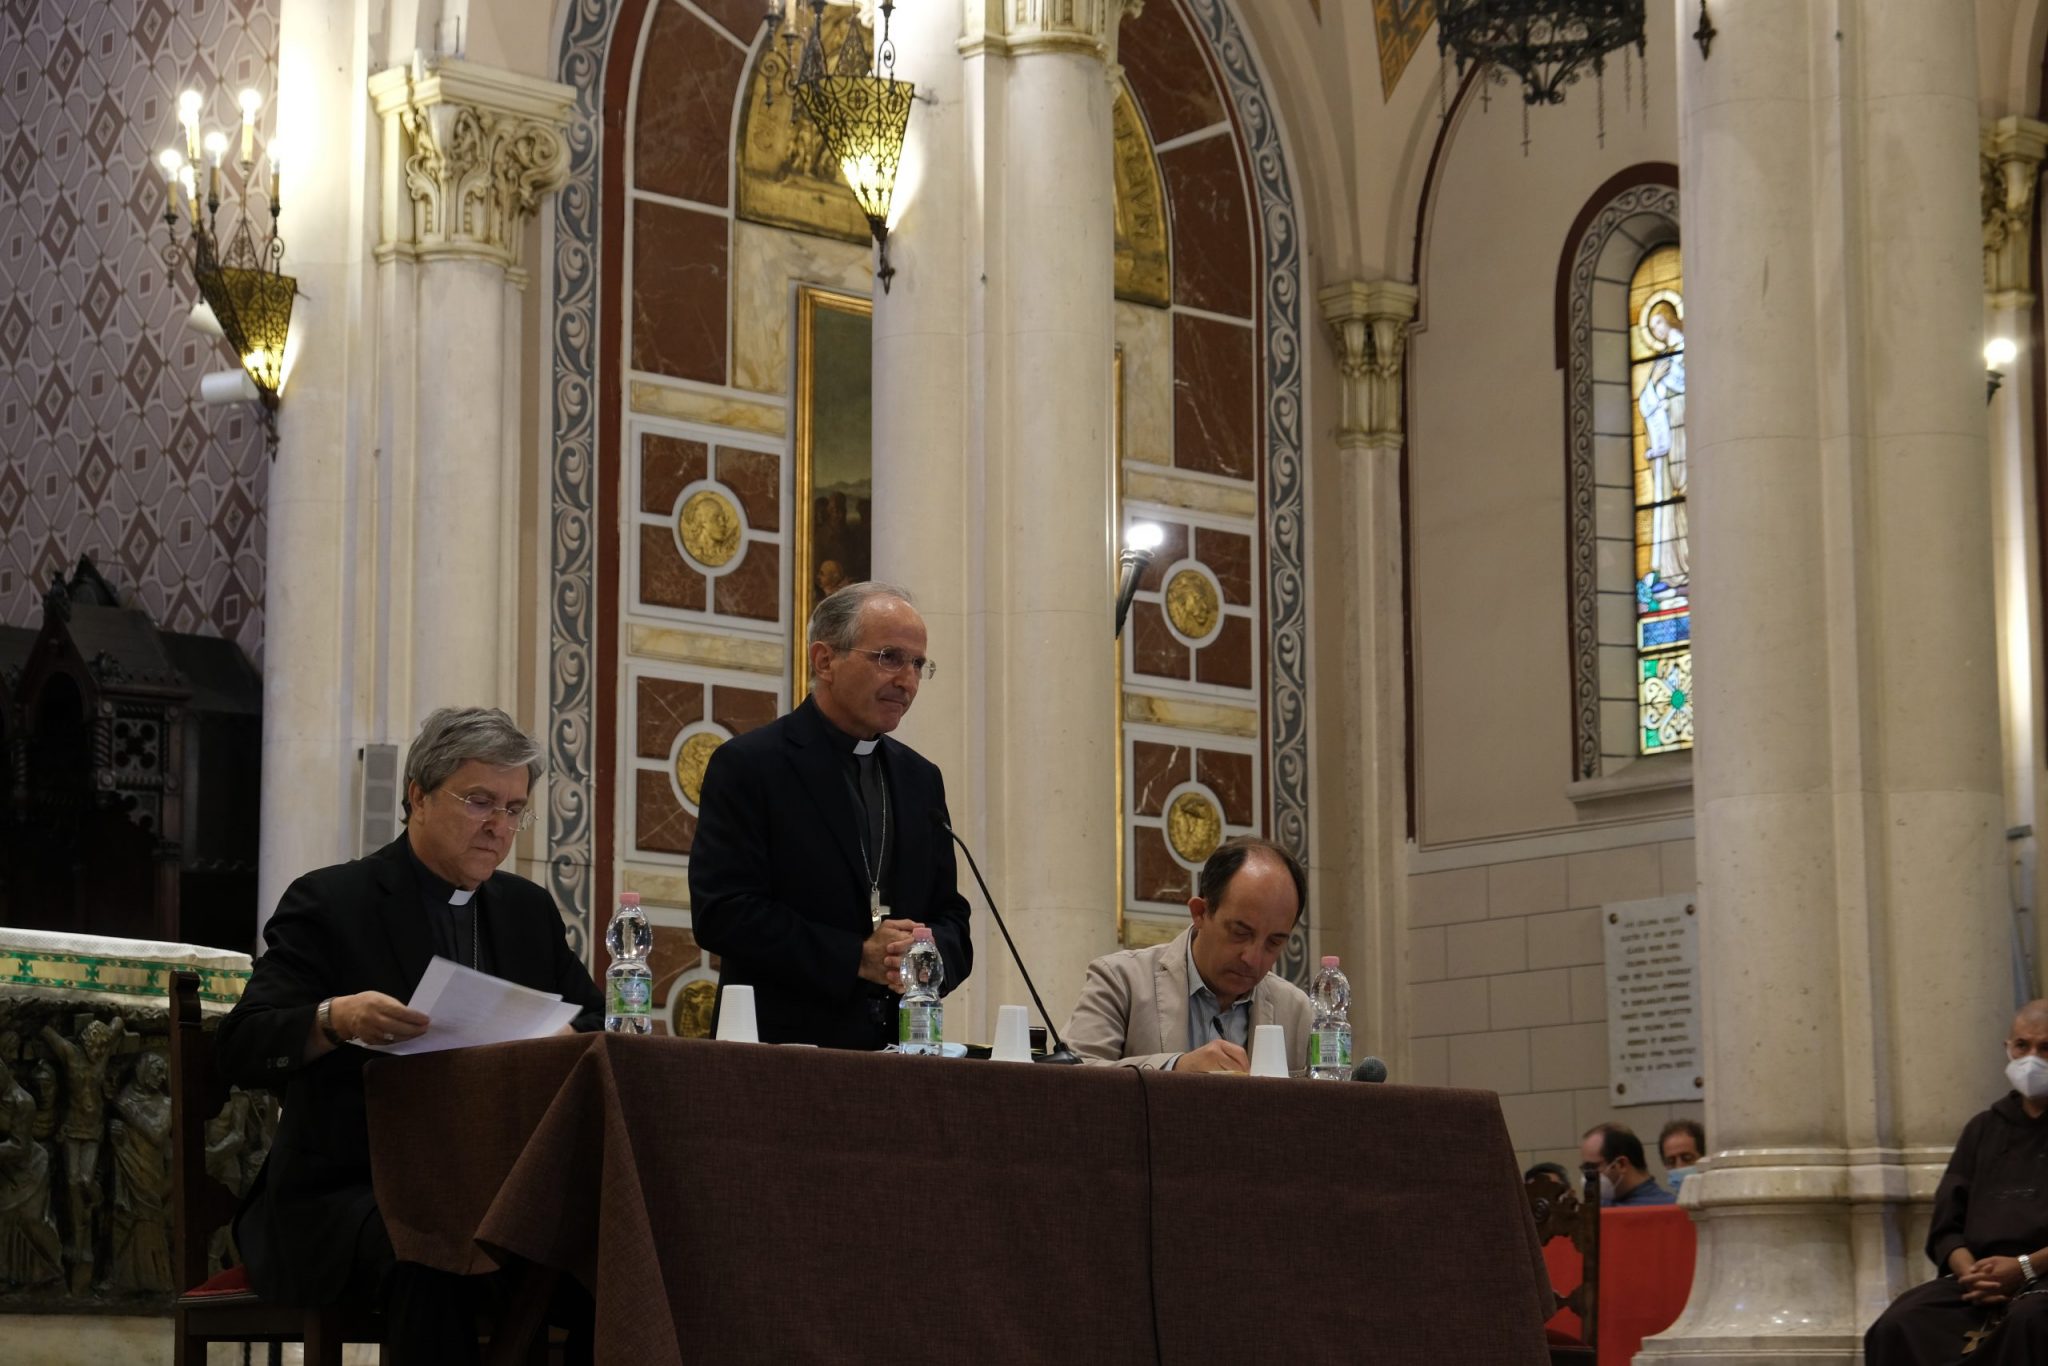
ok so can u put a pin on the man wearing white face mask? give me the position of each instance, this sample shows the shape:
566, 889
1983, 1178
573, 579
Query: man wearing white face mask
1990, 1233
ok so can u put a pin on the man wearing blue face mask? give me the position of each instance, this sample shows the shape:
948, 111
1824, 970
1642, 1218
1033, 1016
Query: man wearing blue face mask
1990, 1233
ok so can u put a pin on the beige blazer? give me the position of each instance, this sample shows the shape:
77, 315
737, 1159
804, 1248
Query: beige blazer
1134, 1008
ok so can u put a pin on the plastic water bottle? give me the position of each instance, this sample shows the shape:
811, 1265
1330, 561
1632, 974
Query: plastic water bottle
920, 1018
628, 984
1329, 1047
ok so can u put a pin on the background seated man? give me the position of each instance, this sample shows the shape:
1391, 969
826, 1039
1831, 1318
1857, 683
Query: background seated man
1682, 1143
1624, 1172
347, 946
1989, 1237
1191, 1003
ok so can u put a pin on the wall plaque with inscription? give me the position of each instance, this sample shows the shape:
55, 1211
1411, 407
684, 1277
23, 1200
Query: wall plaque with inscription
1653, 1001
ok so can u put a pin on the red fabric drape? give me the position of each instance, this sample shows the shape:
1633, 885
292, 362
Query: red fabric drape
1646, 1258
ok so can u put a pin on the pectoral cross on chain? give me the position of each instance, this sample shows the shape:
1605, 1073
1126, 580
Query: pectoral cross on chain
875, 909
1974, 1339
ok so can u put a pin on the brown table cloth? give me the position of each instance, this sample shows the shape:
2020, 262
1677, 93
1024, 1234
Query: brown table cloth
738, 1203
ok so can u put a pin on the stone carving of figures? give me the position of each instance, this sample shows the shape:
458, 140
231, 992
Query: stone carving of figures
237, 1139
141, 1141
30, 1254
80, 1128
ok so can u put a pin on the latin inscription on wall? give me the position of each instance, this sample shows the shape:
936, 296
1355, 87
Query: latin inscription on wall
1653, 1012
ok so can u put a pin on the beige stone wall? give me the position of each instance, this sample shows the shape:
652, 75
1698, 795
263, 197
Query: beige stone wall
1508, 990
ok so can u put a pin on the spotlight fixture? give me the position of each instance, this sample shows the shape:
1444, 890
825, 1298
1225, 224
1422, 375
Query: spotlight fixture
1999, 352
1141, 540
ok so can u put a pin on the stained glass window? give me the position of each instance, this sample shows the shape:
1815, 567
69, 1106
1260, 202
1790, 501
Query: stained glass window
1656, 310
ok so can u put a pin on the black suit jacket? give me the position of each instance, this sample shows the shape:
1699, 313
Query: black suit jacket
777, 888
354, 927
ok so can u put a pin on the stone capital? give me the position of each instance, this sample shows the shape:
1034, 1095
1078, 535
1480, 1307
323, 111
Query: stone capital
1018, 27
469, 152
2009, 165
1368, 322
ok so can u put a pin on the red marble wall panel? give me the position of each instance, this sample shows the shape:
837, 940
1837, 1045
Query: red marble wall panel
1154, 650
664, 706
1229, 557
1155, 771
1159, 877
1229, 776
740, 710
659, 821
682, 134
679, 278
1227, 660
755, 479
1212, 233
1214, 389
666, 579
667, 465
1162, 60
753, 587
740, 18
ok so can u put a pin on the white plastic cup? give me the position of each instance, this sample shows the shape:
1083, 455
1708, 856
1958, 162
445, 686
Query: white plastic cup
1269, 1051
736, 1023
1013, 1035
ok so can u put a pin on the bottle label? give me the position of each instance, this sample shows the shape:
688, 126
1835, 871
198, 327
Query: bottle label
1330, 1047
631, 996
919, 1026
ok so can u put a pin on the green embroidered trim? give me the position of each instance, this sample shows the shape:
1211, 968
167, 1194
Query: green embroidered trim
119, 976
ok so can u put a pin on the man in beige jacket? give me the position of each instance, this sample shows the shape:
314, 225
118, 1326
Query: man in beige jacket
1191, 1003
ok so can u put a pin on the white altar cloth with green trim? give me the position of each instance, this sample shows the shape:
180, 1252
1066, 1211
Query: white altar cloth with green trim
86, 967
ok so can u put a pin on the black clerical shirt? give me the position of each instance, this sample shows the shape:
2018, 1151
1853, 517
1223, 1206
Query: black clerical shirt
459, 931
875, 817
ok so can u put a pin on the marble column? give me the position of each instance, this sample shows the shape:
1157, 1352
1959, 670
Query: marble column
469, 152
1040, 320
928, 476
1854, 935
2009, 167
1368, 323
308, 797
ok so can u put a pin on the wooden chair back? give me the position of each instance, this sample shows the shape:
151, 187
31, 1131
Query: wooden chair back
200, 1205
1561, 1212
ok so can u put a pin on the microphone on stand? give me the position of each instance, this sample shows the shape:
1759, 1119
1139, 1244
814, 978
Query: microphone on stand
1369, 1069
1060, 1052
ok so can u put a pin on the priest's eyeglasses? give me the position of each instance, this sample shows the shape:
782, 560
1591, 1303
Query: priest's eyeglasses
482, 808
894, 660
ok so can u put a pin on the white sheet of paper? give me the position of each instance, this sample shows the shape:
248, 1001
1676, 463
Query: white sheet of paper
468, 1008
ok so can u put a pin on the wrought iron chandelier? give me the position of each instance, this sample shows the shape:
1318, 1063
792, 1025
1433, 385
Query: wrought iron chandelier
860, 108
241, 281
1548, 43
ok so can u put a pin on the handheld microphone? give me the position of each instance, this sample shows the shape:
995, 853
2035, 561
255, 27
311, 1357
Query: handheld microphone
1369, 1069
1060, 1052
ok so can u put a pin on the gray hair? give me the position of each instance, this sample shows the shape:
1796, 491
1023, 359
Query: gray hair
836, 620
452, 736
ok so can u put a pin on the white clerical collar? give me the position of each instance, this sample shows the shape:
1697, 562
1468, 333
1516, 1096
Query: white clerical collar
863, 748
458, 897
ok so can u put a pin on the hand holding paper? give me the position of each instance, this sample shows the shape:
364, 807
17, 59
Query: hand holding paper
468, 1008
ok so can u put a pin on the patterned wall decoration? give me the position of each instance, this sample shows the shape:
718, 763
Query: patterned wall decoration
1187, 795
108, 450
1194, 621
707, 545
1401, 25
1615, 231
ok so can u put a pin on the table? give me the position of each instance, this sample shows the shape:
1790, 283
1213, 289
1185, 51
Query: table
737, 1203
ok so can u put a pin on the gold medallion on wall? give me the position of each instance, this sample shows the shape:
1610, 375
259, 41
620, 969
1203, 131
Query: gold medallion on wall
710, 528
1194, 826
693, 756
1193, 605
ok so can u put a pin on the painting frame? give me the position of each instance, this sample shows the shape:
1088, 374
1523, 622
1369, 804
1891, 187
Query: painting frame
812, 302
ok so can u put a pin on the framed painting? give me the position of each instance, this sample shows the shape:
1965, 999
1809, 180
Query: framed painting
833, 491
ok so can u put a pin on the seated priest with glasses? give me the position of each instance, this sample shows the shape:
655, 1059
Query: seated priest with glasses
345, 950
821, 841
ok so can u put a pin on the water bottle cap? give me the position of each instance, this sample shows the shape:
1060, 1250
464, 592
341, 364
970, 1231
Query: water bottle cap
629, 898
1329, 960
922, 934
